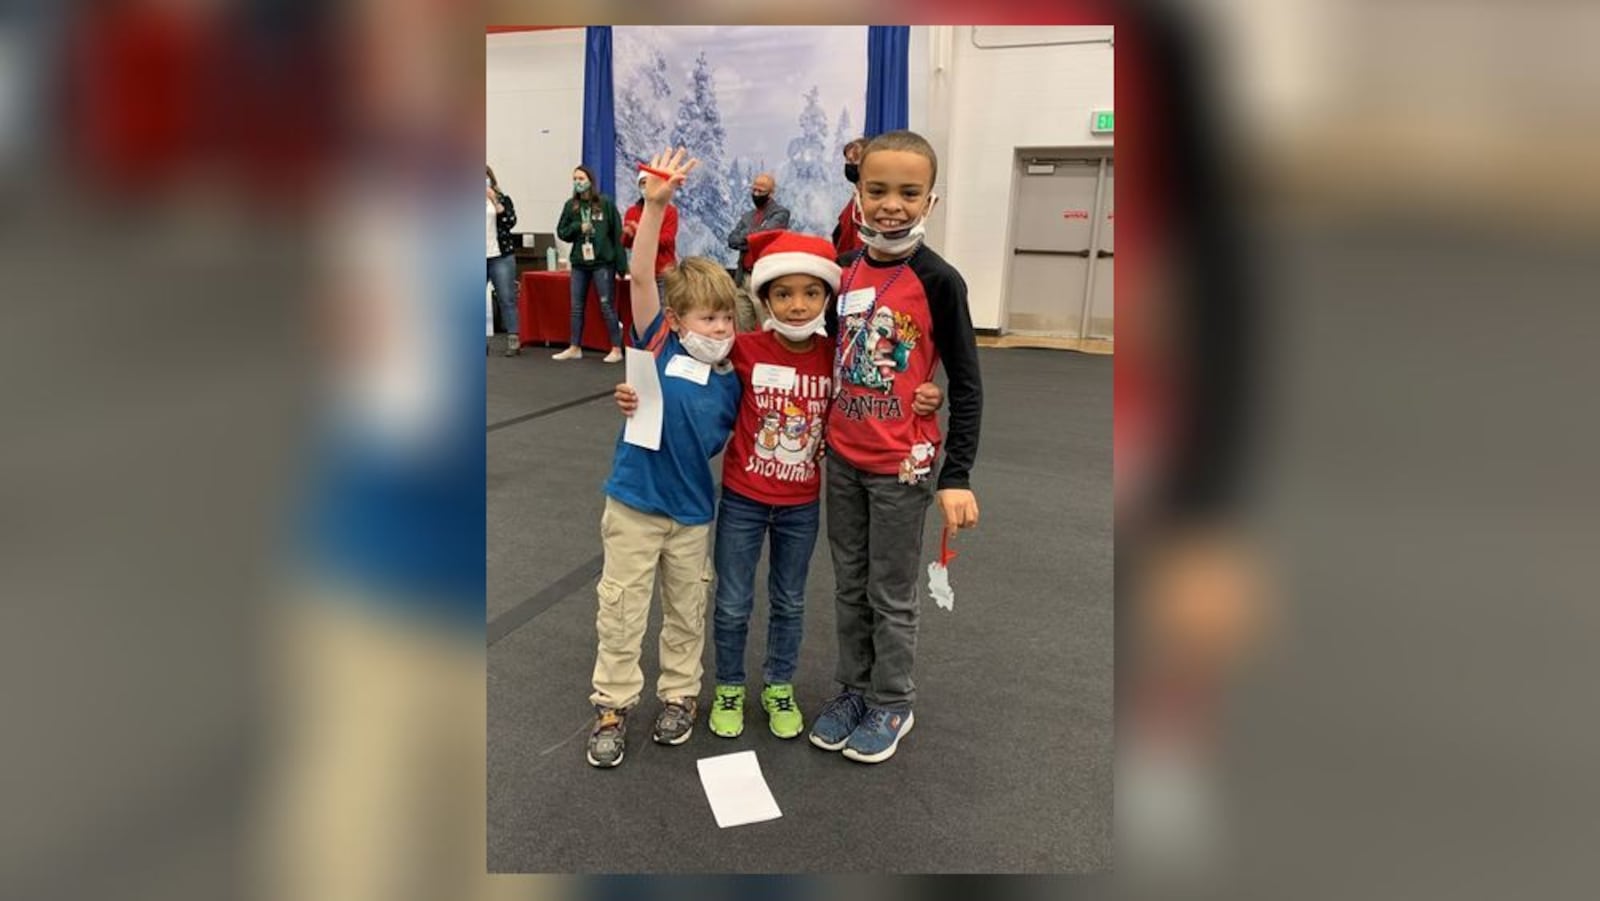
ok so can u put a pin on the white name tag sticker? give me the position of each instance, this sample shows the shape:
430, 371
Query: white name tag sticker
684, 367
778, 378
588, 252
858, 301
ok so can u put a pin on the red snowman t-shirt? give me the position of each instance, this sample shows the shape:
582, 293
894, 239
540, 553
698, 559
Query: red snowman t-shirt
776, 451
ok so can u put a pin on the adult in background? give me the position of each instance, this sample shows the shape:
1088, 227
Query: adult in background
667, 247
591, 224
500, 214
766, 215
845, 236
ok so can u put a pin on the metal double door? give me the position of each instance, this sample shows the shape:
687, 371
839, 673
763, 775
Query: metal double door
1063, 248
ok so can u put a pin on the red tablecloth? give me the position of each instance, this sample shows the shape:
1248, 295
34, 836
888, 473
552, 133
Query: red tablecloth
544, 311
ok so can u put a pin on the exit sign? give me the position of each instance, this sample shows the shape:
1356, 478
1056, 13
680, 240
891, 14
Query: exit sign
1101, 122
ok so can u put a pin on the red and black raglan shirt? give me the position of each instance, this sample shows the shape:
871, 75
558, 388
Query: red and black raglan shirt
897, 322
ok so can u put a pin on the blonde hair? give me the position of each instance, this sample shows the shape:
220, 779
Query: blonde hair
908, 141
695, 283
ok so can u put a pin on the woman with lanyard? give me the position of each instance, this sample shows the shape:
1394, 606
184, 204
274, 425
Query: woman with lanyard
591, 224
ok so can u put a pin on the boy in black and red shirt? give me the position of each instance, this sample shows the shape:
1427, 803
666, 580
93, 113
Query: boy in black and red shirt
902, 311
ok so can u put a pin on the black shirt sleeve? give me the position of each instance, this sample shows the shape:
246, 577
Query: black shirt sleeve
957, 344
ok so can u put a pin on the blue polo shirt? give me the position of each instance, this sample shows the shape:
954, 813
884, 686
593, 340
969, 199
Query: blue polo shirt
676, 481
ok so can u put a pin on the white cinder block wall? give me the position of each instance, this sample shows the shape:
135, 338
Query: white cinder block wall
534, 106
976, 106
982, 106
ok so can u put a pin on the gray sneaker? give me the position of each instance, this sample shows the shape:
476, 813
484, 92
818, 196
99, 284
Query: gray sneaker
675, 723
513, 345
838, 719
606, 738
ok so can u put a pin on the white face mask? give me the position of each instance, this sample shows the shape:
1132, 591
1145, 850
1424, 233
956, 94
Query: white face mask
797, 332
706, 349
899, 241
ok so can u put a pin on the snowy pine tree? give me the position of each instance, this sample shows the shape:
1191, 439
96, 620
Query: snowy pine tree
656, 75
704, 208
641, 124
843, 133
740, 173
813, 189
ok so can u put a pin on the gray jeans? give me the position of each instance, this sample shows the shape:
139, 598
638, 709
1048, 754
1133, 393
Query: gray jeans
875, 531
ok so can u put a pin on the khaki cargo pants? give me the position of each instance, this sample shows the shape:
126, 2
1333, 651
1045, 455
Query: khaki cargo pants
637, 546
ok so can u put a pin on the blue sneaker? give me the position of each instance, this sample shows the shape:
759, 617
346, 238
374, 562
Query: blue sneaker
878, 735
837, 720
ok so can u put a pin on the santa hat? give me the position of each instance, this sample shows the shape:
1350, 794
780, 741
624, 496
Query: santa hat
779, 253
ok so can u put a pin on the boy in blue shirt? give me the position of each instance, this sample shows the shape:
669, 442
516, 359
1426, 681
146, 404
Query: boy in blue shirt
659, 504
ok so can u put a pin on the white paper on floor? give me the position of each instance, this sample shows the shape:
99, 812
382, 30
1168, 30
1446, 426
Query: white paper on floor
736, 789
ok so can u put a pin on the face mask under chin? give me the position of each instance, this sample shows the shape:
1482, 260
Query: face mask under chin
712, 351
899, 240
795, 332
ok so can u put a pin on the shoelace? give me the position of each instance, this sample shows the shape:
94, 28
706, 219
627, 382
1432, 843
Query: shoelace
837, 703
728, 702
783, 703
876, 718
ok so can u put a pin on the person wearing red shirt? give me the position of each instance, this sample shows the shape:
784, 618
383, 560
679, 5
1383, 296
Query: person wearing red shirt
902, 313
845, 237
667, 249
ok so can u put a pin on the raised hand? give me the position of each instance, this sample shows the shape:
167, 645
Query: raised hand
658, 190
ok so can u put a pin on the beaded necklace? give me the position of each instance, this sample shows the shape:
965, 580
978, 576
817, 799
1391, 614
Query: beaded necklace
844, 289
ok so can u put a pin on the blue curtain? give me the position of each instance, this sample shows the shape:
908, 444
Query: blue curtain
599, 120
888, 47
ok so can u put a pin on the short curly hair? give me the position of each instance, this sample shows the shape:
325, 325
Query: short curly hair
908, 141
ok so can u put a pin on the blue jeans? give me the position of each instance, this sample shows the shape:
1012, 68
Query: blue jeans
742, 524
604, 278
503, 275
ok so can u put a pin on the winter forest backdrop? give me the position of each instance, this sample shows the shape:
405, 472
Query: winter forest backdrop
744, 100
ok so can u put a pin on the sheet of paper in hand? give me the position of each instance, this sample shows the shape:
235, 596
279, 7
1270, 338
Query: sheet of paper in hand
939, 575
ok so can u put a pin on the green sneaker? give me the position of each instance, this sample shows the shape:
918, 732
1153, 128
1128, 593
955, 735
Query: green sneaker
727, 711
783, 714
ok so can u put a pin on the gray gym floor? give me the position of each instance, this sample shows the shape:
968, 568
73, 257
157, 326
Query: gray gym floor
1009, 767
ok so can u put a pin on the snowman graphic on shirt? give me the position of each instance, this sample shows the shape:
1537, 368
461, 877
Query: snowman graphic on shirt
794, 441
767, 435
